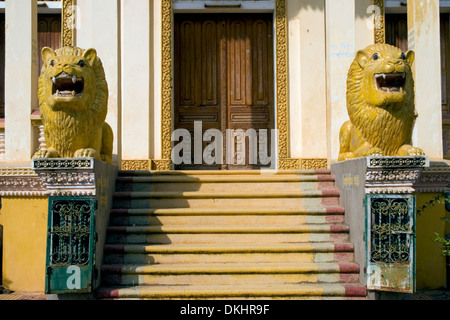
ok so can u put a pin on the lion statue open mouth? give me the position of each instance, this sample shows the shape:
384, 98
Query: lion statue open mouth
73, 97
380, 104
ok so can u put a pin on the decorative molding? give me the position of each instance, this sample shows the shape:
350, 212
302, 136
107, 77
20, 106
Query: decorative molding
146, 165
289, 164
435, 178
74, 177
21, 182
161, 165
68, 23
166, 81
63, 164
17, 172
167, 165
391, 190
393, 175
281, 40
314, 164
68, 178
135, 165
380, 25
302, 164
398, 162
21, 186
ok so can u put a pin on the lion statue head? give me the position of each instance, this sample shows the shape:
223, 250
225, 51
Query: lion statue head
72, 78
381, 76
380, 104
73, 97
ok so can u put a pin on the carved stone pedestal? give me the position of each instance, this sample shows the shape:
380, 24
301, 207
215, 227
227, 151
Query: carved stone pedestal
78, 190
379, 196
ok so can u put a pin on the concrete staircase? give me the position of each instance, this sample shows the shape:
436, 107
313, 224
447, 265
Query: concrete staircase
228, 235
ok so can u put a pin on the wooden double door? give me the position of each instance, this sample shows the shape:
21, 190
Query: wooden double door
224, 80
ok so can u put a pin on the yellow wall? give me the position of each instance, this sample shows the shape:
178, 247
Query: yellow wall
430, 270
24, 223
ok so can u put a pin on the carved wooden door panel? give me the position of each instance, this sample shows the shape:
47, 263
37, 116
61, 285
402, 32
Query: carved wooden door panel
49, 34
224, 80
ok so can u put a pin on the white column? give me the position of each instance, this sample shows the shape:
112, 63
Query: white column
307, 79
98, 26
424, 39
20, 78
136, 78
365, 23
340, 44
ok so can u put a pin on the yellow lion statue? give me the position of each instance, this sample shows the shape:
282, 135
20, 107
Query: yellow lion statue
73, 97
380, 103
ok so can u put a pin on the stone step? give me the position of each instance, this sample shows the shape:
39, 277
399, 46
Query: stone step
228, 253
227, 234
250, 234
217, 173
284, 291
299, 199
223, 187
229, 273
223, 183
225, 220
231, 211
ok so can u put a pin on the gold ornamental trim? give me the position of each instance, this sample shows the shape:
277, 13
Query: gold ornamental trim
283, 164
167, 70
135, 165
380, 24
68, 23
281, 39
146, 165
302, 164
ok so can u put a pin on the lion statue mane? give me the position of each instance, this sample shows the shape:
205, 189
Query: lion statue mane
380, 104
73, 97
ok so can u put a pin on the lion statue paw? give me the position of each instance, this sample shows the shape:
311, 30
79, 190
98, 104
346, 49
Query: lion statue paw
375, 152
49, 153
408, 150
87, 153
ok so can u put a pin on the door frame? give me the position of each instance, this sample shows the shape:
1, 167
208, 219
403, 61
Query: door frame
283, 162
218, 110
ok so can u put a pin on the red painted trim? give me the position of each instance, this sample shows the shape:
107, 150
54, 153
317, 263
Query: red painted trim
326, 177
343, 247
355, 291
348, 267
339, 228
108, 293
338, 210
333, 192
323, 171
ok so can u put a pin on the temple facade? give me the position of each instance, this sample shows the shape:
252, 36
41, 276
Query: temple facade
307, 55
272, 73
